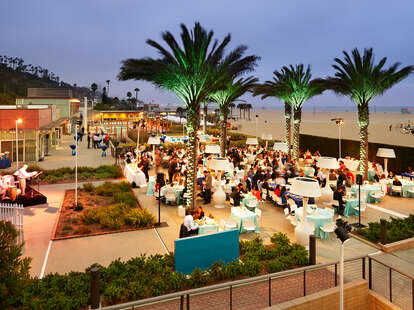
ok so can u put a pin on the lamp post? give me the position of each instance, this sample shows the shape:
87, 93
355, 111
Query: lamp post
18, 121
257, 117
341, 231
339, 122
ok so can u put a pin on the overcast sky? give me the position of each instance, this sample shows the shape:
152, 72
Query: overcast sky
84, 41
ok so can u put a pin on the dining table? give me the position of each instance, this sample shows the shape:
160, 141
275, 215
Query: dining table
247, 199
134, 175
351, 203
296, 198
367, 188
318, 217
241, 215
207, 226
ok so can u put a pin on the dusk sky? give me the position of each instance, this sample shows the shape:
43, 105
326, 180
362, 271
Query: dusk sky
84, 41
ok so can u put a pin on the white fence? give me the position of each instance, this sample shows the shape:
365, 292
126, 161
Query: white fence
14, 214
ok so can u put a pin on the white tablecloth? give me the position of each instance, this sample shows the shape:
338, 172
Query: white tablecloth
350, 164
134, 174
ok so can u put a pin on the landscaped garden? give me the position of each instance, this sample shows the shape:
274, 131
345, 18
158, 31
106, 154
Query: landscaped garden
397, 229
106, 208
137, 278
84, 173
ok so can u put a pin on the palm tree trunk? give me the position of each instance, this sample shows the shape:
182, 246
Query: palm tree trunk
297, 118
223, 140
288, 117
192, 126
249, 113
363, 122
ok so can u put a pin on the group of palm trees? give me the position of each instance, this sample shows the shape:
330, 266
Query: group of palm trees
199, 70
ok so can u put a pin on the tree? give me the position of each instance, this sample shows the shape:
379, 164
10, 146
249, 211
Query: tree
224, 98
240, 106
300, 88
136, 90
248, 108
232, 106
94, 87
360, 79
107, 90
277, 88
192, 71
14, 270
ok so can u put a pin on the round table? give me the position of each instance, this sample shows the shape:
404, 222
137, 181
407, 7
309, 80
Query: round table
368, 188
319, 217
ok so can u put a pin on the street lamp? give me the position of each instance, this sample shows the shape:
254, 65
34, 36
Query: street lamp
339, 122
341, 231
18, 121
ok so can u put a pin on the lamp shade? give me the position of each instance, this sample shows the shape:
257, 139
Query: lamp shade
280, 146
267, 136
252, 141
328, 163
219, 163
306, 187
387, 153
154, 140
212, 149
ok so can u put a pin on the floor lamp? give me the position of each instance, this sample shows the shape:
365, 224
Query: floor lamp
386, 153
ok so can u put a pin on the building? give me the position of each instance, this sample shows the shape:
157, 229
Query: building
38, 132
117, 116
66, 105
151, 110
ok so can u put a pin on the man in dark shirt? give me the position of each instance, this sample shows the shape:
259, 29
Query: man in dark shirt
338, 194
236, 196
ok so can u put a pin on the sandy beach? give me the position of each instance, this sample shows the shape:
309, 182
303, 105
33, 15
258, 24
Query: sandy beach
320, 124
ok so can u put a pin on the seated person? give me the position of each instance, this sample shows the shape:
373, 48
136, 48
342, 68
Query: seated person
390, 175
256, 193
278, 190
338, 195
349, 174
332, 175
192, 227
236, 196
349, 182
396, 181
200, 213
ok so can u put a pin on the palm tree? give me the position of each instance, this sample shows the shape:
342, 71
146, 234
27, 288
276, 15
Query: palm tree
240, 106
277, 88
136, 90
360, 79
180, 111
192, 71
301, 88
232, 106
224, 98
248, 108
94, 87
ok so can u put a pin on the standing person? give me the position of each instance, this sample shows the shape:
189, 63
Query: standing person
208, 187
192, 227
338, 195
145, 167
157, 161
22, 175
89, 140
172, 167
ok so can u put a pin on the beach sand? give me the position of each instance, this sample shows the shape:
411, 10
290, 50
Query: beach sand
319, 124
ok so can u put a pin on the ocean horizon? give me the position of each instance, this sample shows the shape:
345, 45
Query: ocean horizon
348, 108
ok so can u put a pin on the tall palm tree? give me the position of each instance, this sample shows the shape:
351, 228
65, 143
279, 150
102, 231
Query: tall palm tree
136, 90
248, 108
94, 87
301, 88
360, 79
240, 106
277, 88
232, 106
224, 98
192, 71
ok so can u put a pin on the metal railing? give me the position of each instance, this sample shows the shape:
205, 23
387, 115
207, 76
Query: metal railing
14, 214
257, 292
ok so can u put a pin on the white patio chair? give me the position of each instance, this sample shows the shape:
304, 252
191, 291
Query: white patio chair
252, 204
377, 195
228, 225
287, 213
249, 225
293, 221
411, 192
232, 201
328, 227
363, 208
292, 205
258, 213
396, 189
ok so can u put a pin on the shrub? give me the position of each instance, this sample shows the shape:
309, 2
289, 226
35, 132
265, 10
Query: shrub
90, 216
275, 266
397, 229
139, 218
252, 267
89, 187
127, 198
67, 227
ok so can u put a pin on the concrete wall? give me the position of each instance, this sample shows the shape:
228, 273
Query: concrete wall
63, 106
30, 119
357, 296
45, 117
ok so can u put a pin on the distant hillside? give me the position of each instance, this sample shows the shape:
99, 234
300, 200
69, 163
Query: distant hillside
16, 77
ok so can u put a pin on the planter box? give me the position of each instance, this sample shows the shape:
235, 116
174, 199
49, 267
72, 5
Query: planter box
398, 245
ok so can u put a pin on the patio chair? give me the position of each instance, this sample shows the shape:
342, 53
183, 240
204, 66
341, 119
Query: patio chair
411, 192
328, 227
170, 198
377, 195
249, 225
397, 190
252, 204
335, 205
232, 201
287, 213
258, 213
293, 221
228, 225
292, 206
363, 208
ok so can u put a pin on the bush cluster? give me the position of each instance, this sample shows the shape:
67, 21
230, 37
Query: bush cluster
149, 276
123, 212
84, 173
397, 229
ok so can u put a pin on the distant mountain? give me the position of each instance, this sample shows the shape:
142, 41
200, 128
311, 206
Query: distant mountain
16, 77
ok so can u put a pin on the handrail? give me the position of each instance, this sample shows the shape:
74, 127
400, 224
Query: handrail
394, 269
210, 288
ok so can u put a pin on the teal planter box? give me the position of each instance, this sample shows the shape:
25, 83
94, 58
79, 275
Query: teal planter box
204, 250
